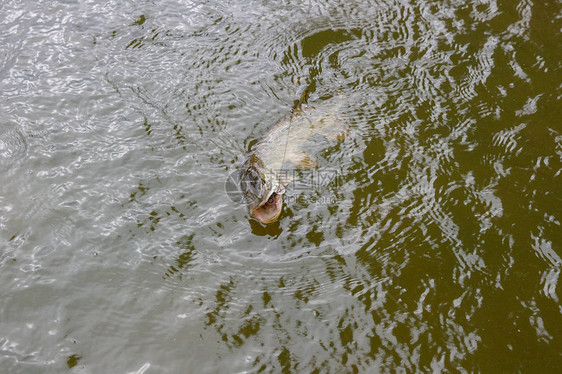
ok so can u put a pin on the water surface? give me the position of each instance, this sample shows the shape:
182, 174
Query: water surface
436, 246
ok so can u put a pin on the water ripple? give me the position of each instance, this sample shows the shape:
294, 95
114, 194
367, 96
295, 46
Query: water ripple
123, 121
13, 145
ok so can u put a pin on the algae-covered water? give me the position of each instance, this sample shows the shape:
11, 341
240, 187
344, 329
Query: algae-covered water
428, 240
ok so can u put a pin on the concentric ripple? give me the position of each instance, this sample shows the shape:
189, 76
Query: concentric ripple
13, 145
427, 240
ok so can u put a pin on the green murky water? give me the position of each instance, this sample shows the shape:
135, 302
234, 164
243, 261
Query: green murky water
430, 240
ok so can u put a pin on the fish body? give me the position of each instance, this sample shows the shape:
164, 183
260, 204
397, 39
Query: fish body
262, 180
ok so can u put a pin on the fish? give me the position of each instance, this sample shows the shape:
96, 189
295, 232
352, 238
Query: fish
261, 175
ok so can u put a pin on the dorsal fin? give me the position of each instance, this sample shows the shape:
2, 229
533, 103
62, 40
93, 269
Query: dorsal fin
302, 100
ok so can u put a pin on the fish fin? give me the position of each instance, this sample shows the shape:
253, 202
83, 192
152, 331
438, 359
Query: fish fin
334, 128
303, 99
302, 159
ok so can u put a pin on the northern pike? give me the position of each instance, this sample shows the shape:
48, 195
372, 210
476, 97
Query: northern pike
262, 181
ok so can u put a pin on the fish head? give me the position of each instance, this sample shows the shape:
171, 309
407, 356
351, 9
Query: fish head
262, 190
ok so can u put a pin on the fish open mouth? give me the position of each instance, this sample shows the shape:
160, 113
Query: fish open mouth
270, 210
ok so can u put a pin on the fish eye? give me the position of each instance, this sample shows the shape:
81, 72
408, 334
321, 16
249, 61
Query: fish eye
272, 197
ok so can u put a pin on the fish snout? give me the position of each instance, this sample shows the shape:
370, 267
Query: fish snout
269, 211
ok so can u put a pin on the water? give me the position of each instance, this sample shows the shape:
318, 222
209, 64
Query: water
436, 247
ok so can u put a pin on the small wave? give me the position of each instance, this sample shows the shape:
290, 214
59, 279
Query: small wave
13, 145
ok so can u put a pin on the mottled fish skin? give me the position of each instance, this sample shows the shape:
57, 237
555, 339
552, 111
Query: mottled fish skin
286, 139
260, 173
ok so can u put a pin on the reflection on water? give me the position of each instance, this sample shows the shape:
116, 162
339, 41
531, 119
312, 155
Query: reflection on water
122, 252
